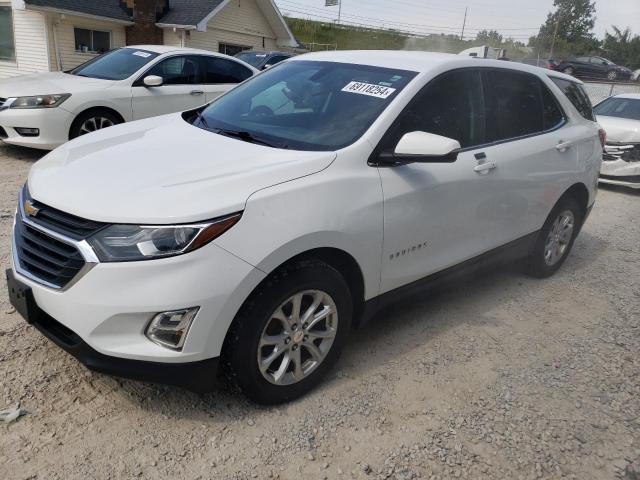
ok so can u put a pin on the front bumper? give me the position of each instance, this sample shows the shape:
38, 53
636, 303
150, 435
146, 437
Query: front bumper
620, 172
196, 376
53, 123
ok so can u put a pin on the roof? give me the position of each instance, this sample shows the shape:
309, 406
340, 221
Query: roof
421, 62
109, 9
188, 12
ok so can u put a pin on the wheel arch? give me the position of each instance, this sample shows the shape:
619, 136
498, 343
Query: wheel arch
98, 108
580, 193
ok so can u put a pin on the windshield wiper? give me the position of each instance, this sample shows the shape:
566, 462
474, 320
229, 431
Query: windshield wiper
247, 137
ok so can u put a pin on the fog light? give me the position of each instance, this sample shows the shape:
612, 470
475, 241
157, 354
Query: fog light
27, 132
169, 329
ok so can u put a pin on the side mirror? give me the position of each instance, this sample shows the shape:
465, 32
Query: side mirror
268, 65
422, 147
153, 81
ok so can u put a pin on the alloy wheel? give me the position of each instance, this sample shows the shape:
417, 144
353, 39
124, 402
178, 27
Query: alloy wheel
95, 123
298, 337
559, 238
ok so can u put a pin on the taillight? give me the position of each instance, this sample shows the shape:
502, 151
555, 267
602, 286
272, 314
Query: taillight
603, 137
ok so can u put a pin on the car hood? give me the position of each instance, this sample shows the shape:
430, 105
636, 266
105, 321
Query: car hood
162, 171
620, 130
49, 83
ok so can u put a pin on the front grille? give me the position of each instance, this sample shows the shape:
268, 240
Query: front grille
629, 152
63, 223
45, 257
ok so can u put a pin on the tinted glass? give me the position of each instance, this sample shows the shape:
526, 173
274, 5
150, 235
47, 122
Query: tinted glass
7, 48
553, 116
307, 105
578, 97
276, 59
514, 105
82, 38
101, 41
221, 70
619, 107
255, 59
450, 106
115, 65
178, 70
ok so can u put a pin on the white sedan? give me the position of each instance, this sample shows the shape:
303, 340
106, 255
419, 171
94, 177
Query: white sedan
44, 110
620, 117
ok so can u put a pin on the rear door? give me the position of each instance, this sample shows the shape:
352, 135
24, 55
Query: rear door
181, 90
221, 75
533, 149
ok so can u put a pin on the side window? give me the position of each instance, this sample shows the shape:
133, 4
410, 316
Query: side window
178, 70
514, 105
577, 95
450, 106
553, 116
276, 59
221, 70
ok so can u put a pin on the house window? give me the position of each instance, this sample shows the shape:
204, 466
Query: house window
232, 50
93, 41
7, 45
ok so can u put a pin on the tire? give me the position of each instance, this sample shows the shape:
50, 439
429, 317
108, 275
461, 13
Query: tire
91, 121
554, 242
568, 71
263, 321
612, 75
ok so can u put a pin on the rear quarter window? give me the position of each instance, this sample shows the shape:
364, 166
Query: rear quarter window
577, 96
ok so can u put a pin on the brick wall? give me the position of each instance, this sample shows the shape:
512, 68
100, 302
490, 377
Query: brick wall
145, 15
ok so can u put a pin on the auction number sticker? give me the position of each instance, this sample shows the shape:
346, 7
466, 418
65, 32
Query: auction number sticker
369, 89
142, 54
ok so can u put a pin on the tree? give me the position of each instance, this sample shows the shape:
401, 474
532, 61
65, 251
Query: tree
622, 47
491, 38
568, 28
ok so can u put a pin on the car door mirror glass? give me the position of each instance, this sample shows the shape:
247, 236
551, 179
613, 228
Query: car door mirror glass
153, 81
423, 146
268, 65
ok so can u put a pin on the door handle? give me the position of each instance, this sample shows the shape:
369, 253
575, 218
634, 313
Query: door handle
485, 168
197, 92
564, 146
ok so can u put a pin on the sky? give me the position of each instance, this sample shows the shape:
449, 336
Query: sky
518, 19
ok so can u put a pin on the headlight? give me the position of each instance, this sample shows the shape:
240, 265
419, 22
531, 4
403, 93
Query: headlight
38, 101
125, 243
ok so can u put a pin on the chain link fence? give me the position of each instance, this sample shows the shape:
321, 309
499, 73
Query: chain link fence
598, 91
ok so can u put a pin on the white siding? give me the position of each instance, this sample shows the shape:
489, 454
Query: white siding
66, 39
171, 38
241, 22
30, 42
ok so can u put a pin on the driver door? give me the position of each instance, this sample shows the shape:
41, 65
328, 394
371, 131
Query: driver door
181, 90
433, 211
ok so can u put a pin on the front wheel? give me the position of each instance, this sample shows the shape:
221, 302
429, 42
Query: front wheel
556, 238
612, 75
289, 333
92, 121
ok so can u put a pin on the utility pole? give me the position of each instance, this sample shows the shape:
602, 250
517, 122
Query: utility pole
555, 34
339, 11
464, 23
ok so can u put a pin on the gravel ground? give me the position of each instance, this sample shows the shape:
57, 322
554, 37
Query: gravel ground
499, 377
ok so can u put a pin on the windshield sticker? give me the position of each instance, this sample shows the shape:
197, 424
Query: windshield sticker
369, 89
142, 54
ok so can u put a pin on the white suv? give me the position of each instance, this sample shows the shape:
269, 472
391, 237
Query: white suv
250, 236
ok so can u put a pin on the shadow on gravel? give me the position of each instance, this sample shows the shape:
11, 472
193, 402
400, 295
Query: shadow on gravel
21, 153
417, 321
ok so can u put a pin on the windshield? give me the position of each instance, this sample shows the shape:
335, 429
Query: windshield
619, 107
255, 59
306, 105
116, 64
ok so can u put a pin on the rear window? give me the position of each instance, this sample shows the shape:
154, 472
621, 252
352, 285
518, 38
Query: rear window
577, 95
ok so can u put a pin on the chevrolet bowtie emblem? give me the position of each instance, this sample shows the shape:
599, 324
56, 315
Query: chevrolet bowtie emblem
30, 209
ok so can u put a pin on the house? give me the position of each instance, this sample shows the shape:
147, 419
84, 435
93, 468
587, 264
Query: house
52, 35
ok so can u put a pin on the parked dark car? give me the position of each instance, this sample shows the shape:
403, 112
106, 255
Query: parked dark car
262, 60
549, 64
594, 67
